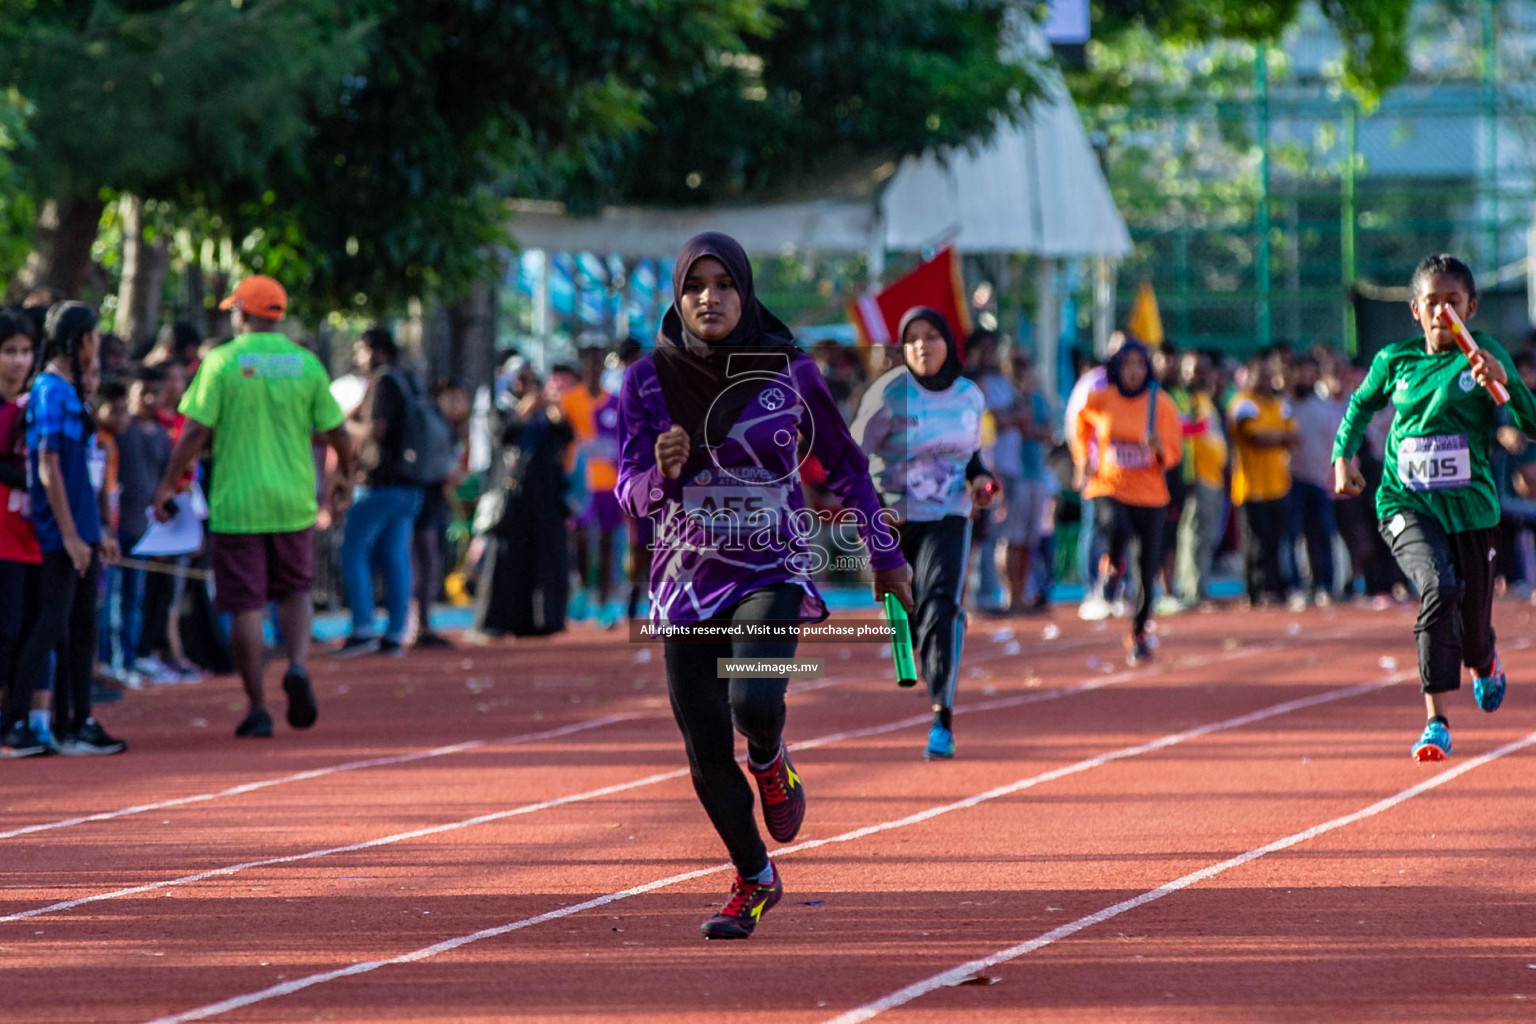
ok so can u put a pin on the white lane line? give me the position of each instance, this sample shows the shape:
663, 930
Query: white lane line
592, 794
960, 973
805, 686
317, 773
298, 984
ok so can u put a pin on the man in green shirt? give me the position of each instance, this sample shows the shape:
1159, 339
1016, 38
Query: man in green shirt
1437, 506
260, 399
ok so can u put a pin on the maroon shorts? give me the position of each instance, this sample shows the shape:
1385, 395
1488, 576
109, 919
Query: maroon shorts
250, 569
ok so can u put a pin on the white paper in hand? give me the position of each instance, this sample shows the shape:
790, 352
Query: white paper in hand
182, 535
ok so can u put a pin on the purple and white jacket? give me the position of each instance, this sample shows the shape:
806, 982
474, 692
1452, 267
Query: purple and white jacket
735, 521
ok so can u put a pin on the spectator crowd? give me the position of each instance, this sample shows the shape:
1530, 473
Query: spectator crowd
503, 497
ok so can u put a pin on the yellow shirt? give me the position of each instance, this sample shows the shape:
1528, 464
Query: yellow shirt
1259, 474
1207, 446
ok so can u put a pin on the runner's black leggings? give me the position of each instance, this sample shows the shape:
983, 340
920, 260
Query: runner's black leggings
1120, 524
66, 619
1453, 574
18, 611
710, 711
937, 552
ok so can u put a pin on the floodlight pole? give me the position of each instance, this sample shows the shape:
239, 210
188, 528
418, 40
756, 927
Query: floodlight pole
1491, 129
1261, 262
875, 254
1347, 221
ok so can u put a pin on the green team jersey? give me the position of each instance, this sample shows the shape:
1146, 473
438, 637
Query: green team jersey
263, 397
1442, 435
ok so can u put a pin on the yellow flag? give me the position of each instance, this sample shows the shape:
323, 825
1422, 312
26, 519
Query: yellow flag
1146, 323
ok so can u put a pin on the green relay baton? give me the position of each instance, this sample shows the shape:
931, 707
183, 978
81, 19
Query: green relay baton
901, 643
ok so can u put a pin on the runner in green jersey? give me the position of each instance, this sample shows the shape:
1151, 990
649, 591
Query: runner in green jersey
1437, 505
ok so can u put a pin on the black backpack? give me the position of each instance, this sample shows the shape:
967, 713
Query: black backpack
426, 440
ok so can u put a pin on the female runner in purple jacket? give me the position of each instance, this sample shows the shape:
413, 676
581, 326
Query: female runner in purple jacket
712, 425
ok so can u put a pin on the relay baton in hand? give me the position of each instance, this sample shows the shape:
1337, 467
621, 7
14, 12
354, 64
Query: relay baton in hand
1468, 345
901, 643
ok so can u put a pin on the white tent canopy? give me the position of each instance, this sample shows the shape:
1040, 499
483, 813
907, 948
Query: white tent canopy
1036, 188
824, 225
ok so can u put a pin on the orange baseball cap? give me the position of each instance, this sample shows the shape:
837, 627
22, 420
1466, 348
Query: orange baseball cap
258, 295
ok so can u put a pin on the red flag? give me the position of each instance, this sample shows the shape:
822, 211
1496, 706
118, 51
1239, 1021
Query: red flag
937, 283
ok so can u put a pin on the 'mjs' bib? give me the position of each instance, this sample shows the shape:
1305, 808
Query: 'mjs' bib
1434, 463
1129, 455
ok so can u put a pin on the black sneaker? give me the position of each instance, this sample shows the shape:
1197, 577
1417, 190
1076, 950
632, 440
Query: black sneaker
748, 903
433, 642
783, 797
391, 648
90, 739
302, 710
256, 726
1138, 651
353, 646
21, 741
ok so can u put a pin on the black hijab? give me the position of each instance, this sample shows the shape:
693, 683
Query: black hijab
1116, 361
696, 375
950, 371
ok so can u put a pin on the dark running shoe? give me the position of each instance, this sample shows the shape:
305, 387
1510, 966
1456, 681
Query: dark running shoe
89, 740
354, 646
783, 797
748, 903
1138, 651
302, 710
391, 648
432, 642
21, 741
256, 726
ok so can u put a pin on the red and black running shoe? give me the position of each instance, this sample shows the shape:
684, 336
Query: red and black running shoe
783, 797
748, 903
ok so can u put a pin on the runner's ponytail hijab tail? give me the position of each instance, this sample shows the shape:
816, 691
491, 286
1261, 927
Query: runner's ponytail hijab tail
707, 384
950, 371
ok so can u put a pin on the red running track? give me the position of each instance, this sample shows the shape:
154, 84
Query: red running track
1235, 833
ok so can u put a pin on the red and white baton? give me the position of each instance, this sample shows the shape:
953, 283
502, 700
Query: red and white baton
1468, 345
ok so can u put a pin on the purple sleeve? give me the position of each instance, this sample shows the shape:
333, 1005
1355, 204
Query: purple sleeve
642, 490
847, 468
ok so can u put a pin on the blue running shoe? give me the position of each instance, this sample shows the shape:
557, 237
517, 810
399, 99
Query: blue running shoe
1434, 745
1490, 692
941, 743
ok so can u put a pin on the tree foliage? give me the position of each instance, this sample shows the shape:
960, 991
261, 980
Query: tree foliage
157, 97
402, 186
16, 208
1374, 33
364, 149
839, 85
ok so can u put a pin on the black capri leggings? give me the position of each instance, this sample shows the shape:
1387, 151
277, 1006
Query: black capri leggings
938, 551
66, 620
1120, 524
710, 711
1454, 575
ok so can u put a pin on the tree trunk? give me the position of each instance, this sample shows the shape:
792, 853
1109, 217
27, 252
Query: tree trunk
472, 338
66, 230
144, 268
191, 294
